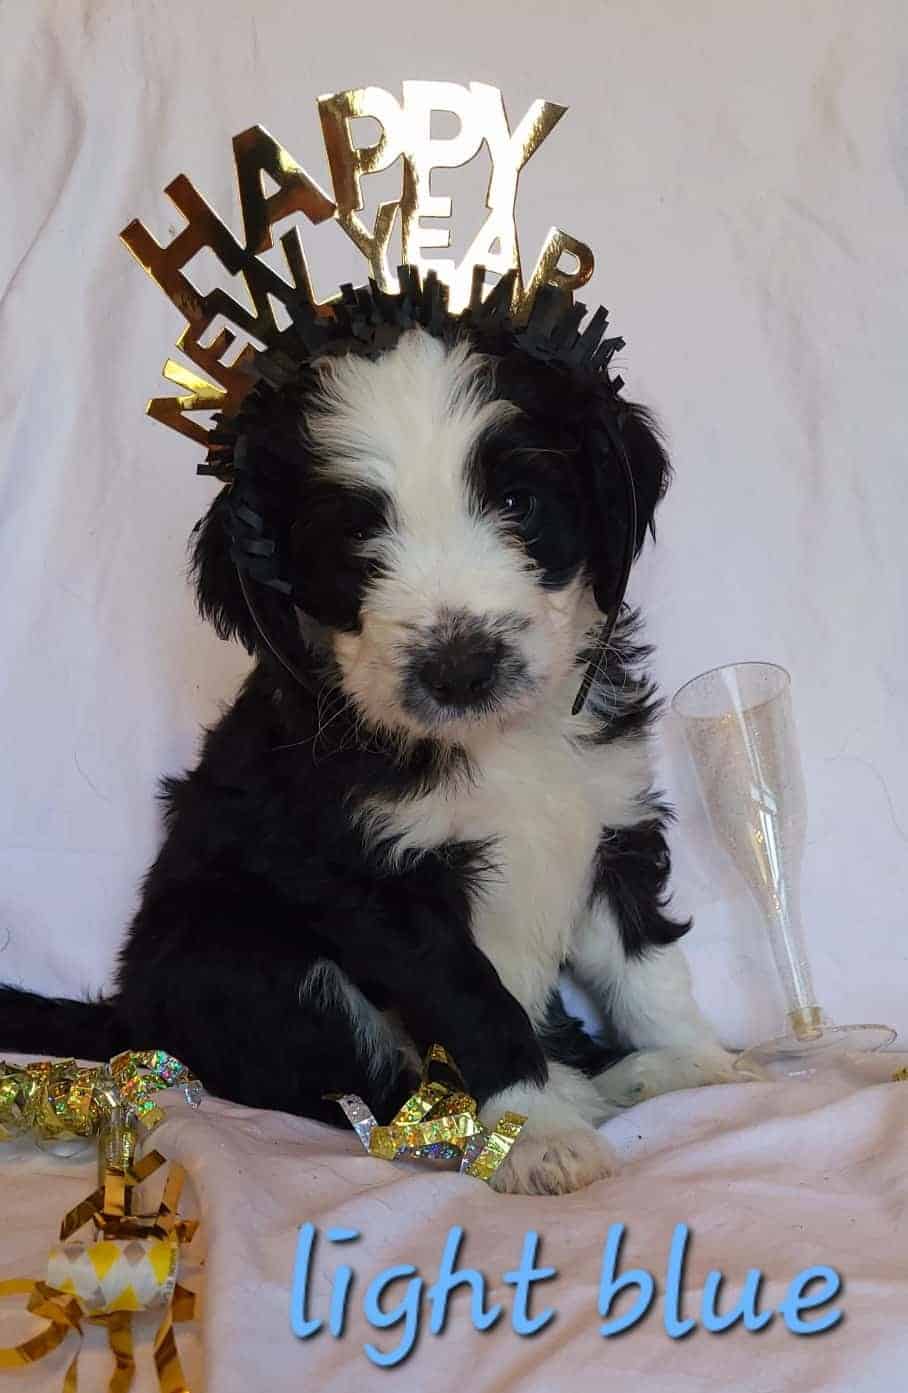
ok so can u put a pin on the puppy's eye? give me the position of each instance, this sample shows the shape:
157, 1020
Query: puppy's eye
518, 507
361, 529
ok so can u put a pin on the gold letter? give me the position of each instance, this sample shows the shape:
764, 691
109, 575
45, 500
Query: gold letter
256, 151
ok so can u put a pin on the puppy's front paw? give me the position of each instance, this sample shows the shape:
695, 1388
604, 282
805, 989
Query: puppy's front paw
720, 1066
554, 1163
753, 1073
651, 1072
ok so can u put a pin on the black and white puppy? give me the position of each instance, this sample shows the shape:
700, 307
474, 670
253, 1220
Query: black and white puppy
414, 850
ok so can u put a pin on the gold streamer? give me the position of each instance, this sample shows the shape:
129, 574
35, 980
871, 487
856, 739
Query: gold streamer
64, 1315
54, 1100
438, 1122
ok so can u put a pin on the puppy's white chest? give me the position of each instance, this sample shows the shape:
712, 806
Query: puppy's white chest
541, 817
544, 800
540, 801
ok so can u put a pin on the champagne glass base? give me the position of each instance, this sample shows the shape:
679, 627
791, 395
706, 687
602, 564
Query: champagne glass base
828, 1049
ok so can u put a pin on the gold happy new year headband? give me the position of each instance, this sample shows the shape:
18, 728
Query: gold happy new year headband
406, 136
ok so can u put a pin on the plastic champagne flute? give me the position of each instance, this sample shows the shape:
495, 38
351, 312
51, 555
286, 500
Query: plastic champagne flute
740, 731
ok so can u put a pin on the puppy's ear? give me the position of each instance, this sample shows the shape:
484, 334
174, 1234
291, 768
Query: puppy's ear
217, 586
651, 473
649, 466
267, 489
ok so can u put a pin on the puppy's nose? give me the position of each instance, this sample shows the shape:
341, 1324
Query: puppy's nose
461, 672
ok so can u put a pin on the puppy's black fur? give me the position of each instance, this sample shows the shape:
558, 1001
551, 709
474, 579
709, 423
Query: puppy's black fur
265, 872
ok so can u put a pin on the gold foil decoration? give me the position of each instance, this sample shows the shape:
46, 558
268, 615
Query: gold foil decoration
406, 133
437, 1123
132, 1263
405, 137
256, 153
57, 1100
549, 271
132, 1267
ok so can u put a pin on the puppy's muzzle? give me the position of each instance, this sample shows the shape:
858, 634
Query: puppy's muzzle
465, 665
461, 673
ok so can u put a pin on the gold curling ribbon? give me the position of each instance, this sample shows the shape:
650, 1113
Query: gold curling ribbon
438, 1122
900, 1076
64, 1315
55, 1099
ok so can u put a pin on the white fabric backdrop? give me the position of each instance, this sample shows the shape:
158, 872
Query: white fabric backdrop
741, 171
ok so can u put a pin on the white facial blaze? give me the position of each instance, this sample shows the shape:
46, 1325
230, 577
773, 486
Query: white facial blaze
408, 424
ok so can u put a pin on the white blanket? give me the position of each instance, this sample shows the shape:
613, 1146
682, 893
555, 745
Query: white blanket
768, 1176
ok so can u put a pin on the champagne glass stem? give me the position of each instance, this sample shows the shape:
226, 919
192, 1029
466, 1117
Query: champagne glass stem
785, 931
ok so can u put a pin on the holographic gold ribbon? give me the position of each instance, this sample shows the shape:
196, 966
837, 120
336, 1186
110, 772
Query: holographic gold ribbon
54, 1100
437, 1123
